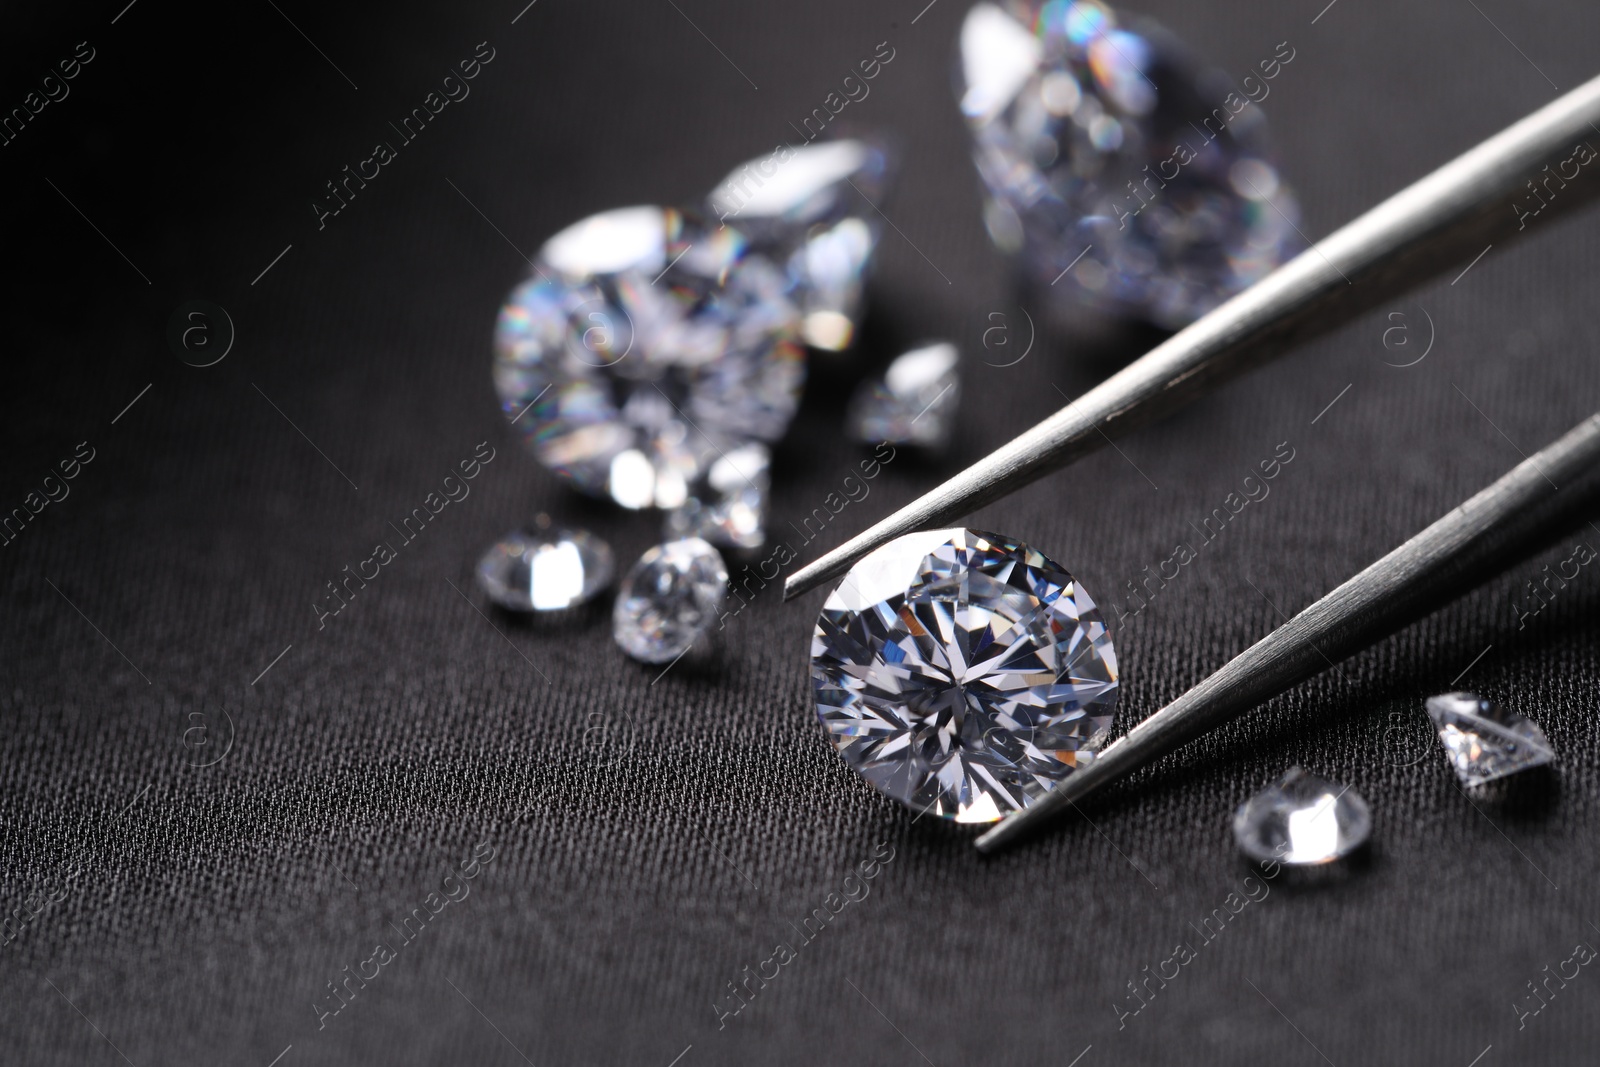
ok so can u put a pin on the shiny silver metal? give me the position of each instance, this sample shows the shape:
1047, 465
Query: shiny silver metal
1533, 503
1478, 200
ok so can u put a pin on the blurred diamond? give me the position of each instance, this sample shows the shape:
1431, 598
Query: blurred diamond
545, 570
963, 673
1301, 820
808, 209
647, 343
728, 504
914, 403
1485, 741
1124, 178
669, 600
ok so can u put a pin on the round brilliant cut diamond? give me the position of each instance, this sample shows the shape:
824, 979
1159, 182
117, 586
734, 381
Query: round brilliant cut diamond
645, 344
669, 600
1302, 820
545, 570
963, 673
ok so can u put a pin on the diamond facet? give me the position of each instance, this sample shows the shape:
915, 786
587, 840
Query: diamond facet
1485, 741
1113, 166
1301, 820
807, 208
913, 404
727, 505
669, 600
648, 342
963, 673
545, 570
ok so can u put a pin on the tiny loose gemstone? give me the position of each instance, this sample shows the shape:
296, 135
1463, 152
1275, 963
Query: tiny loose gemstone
962, 673
545, 570
914, 403
1485, 741
669, 600
1301, 820
728, 504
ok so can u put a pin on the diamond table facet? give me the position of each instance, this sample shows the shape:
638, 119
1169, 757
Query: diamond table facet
963, 673
669, 600
1485, 741
1302, 820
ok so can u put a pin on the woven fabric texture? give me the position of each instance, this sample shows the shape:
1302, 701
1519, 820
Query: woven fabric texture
218, 802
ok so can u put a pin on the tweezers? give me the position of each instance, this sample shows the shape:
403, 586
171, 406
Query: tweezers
1515, 183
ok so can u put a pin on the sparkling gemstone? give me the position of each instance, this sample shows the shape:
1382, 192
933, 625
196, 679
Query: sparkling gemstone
1301, 820
963, 673
727, 505
808, 208
670, 598
1484, 740
647, 342
914, 403
1123, 177
545, 569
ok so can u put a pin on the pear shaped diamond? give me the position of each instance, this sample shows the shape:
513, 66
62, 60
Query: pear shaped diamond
1485, 741
962, 673
1122, 176
1301, 820
810, 209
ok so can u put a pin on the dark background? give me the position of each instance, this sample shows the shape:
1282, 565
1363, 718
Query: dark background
655, 835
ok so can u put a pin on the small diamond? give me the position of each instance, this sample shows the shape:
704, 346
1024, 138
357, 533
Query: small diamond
1118, 172
728, 504
545, 570
1301, 820
963, 673
1485, 741
798, 207
647, 342
669, 600
913, 404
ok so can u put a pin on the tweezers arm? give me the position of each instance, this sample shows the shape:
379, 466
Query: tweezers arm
1502, 523
1484, 196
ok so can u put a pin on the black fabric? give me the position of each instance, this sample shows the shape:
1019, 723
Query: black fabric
647, 837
